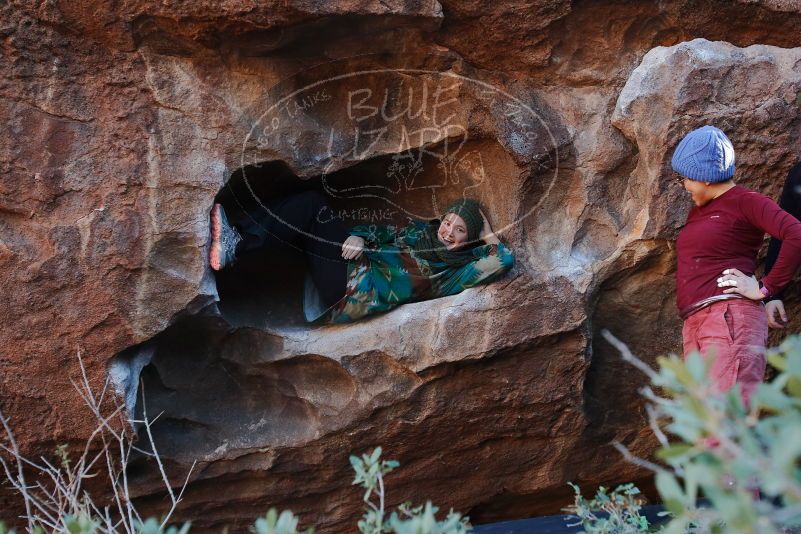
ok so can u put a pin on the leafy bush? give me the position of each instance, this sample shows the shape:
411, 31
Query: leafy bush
610, 513
744, 461
273, 523
370, 470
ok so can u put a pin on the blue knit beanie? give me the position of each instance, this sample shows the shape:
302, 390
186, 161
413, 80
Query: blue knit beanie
704, 155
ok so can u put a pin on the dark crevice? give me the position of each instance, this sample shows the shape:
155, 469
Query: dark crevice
636, 304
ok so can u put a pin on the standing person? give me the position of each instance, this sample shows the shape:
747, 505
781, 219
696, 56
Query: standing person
373, 268
717, 294
790, 201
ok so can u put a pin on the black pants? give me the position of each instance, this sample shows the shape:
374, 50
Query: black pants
304, 221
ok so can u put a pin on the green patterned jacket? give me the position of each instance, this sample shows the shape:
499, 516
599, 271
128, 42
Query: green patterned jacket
388, 273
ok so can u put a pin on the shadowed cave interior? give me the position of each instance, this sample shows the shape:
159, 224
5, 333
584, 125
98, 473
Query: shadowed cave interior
264, 288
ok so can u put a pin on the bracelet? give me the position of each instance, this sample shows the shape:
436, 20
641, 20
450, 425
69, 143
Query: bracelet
764, 291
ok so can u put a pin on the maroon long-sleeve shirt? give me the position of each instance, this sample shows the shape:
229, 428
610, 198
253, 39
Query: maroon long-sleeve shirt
727, 233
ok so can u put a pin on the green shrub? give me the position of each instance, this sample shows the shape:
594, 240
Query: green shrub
153, 526
422, 520
370, 470
617, 512
744, 461
80, 524
275, 523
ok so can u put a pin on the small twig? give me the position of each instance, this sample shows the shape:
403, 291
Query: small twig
381, 494
158, 462
126, 493
90, 465
63, 489
20, 471
62, 493
53, 502
649, 394
628, 356
636, 460
186, 480
372, 506
46, 522
113, 477
21, 458
654, 424
15, 483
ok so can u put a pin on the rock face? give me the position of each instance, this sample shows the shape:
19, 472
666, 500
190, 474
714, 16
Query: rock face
126, 123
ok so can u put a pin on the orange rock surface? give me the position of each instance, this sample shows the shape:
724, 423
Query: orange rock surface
125, 122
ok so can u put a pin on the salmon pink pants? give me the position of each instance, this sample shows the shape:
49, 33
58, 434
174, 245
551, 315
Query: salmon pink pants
734, 333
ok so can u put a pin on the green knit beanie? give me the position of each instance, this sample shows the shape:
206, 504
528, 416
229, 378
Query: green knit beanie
470, 211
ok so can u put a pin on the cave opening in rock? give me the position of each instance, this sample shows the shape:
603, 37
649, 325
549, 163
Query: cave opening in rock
264, 288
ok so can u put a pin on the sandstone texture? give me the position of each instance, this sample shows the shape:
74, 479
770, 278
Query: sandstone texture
125, 122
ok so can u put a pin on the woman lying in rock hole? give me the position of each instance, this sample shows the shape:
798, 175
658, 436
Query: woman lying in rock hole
373, 268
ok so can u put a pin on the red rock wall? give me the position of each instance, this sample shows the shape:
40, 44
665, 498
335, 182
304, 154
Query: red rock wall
125, 120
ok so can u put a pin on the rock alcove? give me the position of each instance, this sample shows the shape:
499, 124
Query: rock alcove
264, 288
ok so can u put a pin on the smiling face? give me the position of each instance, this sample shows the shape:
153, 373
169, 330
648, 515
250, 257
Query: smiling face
452, 231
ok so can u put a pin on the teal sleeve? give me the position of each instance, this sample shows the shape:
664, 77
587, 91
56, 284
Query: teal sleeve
492, 262
411, 233
375, 234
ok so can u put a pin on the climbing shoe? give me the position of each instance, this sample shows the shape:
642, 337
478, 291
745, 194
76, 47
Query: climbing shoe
224, 239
